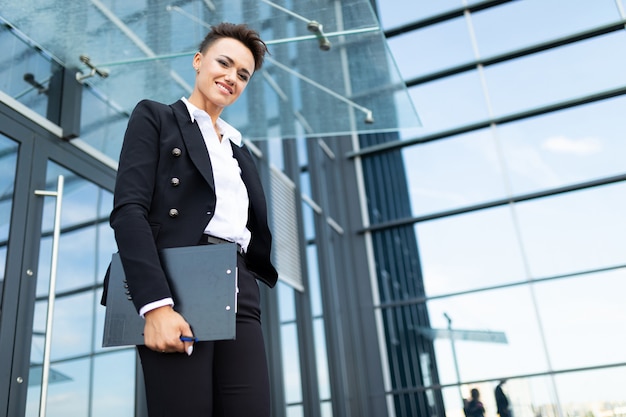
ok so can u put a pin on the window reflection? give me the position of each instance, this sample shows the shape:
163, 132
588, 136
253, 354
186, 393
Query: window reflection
576, 391
295, 411
555, 19
73, 325
574, 232
321, 360
27, 78
286, 306
583, 314
460, 171
449, 103
102, 125
543, 79
114, 384
391, 18
449, 39
292, 377
564, 148
469, 251
509, 311
69, 397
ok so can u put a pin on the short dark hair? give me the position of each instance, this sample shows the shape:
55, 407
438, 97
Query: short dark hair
241, 32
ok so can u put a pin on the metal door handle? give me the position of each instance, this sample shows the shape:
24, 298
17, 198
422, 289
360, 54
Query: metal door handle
52, 290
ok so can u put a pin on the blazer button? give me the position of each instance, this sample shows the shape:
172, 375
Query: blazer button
175, 182
176, 152
173, 212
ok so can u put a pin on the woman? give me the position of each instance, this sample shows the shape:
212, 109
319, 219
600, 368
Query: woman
185, 179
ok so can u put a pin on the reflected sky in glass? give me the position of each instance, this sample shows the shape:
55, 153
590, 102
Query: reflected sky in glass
580, 317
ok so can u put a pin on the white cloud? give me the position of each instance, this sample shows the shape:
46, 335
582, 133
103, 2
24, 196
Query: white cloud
582, 146
529, 164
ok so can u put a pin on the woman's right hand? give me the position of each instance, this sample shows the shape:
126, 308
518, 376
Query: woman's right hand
163, 329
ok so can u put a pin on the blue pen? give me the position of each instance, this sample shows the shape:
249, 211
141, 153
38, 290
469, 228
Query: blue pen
188, 339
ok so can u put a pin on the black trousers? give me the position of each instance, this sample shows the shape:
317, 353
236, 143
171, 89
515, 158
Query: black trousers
220, 379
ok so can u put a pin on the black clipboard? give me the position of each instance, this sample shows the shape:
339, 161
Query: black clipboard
203, 281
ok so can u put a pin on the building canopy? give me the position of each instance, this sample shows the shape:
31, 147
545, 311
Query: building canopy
330, 72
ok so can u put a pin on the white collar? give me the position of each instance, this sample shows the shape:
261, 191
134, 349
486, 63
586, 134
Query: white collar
226, 130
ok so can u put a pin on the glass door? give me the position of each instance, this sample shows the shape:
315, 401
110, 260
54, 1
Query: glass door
68, 373
53, 363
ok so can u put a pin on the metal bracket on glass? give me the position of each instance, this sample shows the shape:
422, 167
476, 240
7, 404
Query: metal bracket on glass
312, 26
94, 70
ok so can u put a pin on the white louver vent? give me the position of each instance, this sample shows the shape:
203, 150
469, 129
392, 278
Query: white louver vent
285, 229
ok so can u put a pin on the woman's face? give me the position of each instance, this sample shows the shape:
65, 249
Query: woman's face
223, 72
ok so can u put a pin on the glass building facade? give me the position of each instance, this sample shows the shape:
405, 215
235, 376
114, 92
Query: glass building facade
516, 192
417, 262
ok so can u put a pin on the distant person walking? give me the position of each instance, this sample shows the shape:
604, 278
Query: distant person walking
474, 407
502, 402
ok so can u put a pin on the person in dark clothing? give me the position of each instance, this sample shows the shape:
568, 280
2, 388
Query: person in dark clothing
474, 407
502, 402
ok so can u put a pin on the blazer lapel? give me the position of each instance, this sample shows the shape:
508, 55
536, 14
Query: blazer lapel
194, 142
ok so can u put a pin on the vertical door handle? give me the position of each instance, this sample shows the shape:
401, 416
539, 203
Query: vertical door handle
51, 292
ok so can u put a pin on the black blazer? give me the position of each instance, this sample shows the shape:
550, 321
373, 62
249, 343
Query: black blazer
165, 196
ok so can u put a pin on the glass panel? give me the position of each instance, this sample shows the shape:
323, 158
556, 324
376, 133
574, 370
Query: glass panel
445, 44
588, 317
590, 393
492, 338
398, 12
548, 20
574, 232
460, 171
576, 394
73, 325
315, 292
69, 396
567, 72
295, 411
292, 377
303, 87
321, 359
113, 384
449, 103
102, 123
566, 147
528, 397
8, 165
286, 303
308, 214
26, 72
453, 400
327, 409
469, 251
579, 315
85, 248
